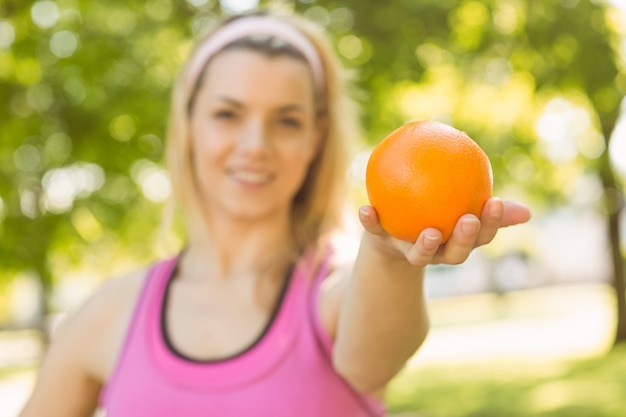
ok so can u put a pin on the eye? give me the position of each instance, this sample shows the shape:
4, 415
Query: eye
290, 122
224, 114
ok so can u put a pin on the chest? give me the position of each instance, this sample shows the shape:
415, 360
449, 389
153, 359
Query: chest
288, 372
214, 323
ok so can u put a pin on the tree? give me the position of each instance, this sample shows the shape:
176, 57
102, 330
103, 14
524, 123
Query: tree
85, 92
85, 89
451, 60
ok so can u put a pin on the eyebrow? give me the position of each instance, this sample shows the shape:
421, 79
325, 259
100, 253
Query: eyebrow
230, 101
283, 109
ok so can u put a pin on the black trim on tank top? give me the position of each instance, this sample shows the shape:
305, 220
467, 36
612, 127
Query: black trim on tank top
175, 352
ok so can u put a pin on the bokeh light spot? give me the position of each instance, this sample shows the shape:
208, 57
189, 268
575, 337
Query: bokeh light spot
45, 14
86, 224
122, 127
560, 126
7, 34
159, 10
238, 6
27, 158
63, 44
350, 46
64, 185
152, 179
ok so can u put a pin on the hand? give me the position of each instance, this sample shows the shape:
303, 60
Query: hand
469, 233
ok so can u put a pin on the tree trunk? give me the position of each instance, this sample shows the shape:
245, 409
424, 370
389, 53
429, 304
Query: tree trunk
43, 325
618, 281
614, 205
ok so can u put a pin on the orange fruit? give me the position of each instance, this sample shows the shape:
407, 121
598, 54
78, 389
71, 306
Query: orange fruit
427, 174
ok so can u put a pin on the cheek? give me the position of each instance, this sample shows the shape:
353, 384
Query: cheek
202, 145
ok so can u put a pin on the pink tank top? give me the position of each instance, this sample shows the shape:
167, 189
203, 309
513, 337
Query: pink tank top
287, 372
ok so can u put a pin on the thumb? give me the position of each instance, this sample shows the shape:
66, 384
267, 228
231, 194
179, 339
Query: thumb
369, 220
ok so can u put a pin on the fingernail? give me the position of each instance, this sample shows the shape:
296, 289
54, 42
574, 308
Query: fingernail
470, 226
431, 242
363, 212
499, 208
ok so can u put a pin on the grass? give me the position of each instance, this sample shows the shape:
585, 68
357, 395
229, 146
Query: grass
592, 387
583, 388
532, 353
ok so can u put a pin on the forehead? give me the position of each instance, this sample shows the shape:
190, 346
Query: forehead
252, 75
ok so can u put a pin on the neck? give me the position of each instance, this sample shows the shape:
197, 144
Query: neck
232, 249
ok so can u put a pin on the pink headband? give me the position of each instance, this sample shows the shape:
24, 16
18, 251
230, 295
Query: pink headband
256, 25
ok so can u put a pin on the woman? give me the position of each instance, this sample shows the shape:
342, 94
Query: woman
254, 318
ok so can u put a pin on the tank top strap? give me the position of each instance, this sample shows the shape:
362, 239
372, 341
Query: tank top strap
155, 279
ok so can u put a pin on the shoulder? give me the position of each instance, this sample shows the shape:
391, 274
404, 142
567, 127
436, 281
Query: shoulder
110, 297
115, 293
96, 331
82, 349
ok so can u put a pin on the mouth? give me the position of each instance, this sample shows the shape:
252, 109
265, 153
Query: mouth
251, 177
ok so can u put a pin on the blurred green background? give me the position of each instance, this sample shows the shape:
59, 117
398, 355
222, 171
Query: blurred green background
531, 325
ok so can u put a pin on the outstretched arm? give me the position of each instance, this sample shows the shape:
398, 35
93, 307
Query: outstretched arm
382, 319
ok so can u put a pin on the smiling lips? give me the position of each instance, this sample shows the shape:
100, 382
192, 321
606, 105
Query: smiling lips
251, 177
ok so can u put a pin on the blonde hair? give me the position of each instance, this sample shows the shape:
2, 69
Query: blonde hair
318, 207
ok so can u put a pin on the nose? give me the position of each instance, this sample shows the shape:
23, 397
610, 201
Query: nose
255, 137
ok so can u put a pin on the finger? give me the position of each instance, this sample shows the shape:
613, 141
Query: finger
425, 248
490, 220
369, 220
515, 213
461, 243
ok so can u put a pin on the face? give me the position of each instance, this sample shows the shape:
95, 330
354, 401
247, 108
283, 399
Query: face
253, 134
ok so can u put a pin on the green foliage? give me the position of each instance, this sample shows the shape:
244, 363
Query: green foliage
85, 90
489, 68
589, 387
